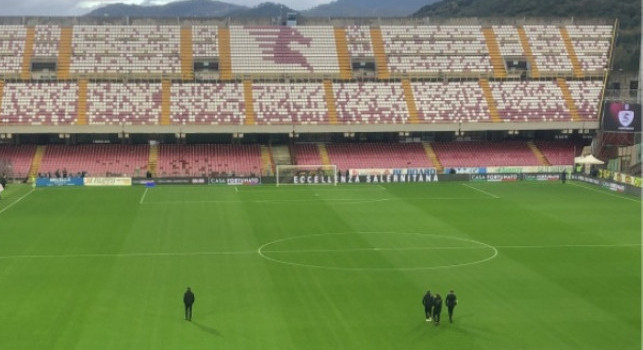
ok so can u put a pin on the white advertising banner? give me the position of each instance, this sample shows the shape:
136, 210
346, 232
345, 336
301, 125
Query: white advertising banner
108, 181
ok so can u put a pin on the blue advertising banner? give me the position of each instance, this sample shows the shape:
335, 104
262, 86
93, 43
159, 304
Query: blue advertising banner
62, 181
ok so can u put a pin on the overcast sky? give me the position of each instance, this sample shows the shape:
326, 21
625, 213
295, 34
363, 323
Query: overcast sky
79, 7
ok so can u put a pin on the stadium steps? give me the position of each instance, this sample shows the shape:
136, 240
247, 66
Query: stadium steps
330, 102
497, 61
64, 53
380, 54
539, 154
187, 61
281, 155
266, 161
343, 57
433, 156
569, 100
491, 102
410, 101
225, 58
81, 118
28, 53
248, 98
524, 41
166, 96
1, 91
571, 52
36, 161
323, 154
153, 158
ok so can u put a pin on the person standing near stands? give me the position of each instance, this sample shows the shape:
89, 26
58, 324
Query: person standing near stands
188, 300
3, 183
427, 301
451, 301
437, 308
563, 176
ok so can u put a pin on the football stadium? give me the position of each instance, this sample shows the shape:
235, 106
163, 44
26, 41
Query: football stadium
311, 180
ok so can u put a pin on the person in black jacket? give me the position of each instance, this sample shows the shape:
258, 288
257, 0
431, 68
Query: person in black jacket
427, 301
188, 300
437, 308
3, 183
451, 301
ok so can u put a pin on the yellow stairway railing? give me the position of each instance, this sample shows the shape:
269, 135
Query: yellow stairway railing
497, 61
524, 41
64, 53
491, 102
330, 102
381, 61
28, 53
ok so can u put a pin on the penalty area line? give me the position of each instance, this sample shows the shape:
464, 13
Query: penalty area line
16, 201
143, 196
481, 191
605, 193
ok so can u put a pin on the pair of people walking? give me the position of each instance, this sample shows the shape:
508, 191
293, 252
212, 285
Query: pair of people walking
433, 306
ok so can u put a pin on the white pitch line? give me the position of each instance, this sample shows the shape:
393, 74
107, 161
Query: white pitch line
16, 201
352, 250
252, 252
124, 255
143, 196
482, 191
605, 193
236, 189
375, 249
625, 245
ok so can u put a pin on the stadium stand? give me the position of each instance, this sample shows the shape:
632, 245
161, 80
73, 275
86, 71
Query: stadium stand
370, 103
477, 154
205, 41
12, 48
558, 152
439, 102
95, 160
209, 160
113, 103
359, 41
47, 38
116, 51
378, 155
209, 104
16, 159
548, 49
299, 103
283, 50
39, 103
530, 101
436, 49
212, 77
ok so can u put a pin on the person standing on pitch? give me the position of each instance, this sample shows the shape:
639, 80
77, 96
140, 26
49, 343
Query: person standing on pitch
437, 308
188, 300
451, 302
427, 301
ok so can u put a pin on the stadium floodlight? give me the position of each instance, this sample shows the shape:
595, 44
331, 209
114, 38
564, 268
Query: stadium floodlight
306, 175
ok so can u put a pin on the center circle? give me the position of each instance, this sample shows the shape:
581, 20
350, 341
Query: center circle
377, 251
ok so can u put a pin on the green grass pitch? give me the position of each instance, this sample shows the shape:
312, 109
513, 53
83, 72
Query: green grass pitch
534, 265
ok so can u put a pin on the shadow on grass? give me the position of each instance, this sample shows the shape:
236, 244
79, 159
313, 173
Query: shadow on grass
206, 329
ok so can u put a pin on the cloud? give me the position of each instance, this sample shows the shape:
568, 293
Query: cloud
79, 7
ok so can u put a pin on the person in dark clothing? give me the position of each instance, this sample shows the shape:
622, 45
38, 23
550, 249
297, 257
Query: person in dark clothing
563, 176
437, 308
451, 301
427, 301
188, 300
3, 183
